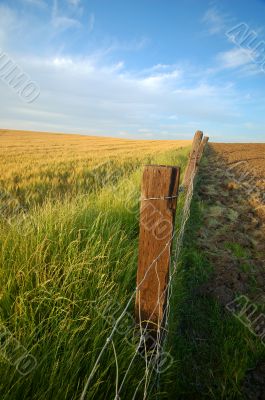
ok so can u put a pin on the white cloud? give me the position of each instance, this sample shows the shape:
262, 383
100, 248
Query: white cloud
62, 62
74, 3
129, 45
84, 96
160, 67
158, 80
62, 21
235, 58
214, 20
241, 59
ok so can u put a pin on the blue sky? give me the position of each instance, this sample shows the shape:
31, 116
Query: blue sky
151, 69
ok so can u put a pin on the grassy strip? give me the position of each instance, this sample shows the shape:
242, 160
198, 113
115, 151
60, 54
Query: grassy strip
212, 349
67, 271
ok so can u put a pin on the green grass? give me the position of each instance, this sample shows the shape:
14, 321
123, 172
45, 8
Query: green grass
237, 250
63, 267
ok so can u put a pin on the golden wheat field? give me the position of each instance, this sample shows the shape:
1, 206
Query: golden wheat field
35, 166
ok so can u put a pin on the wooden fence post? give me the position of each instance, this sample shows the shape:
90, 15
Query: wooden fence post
157, 215
193, 158
201, 148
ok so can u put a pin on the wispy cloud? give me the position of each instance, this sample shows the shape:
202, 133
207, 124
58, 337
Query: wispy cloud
104, 99
118, 45
214, 20
91, 22
234, 58
62, 21
240, 60
74, 3
159, 79
8, 23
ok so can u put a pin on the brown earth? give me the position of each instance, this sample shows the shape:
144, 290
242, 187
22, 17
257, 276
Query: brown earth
232, 186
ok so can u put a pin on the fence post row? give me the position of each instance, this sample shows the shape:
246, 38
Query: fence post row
157, 215
192, 158
159, 193
201, 148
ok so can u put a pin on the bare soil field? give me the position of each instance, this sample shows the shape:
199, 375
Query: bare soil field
253, 153
247, 161
232, 186
233, 183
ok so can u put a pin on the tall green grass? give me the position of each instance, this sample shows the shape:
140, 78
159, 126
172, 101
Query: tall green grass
65, 267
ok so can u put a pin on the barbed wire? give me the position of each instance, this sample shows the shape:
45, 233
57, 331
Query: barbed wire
161, 337
108, 340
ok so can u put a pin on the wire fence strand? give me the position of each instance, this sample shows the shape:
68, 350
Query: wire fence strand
151, 361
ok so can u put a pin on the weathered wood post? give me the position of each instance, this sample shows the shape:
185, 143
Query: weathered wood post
157, 215
192, 159
201, 148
